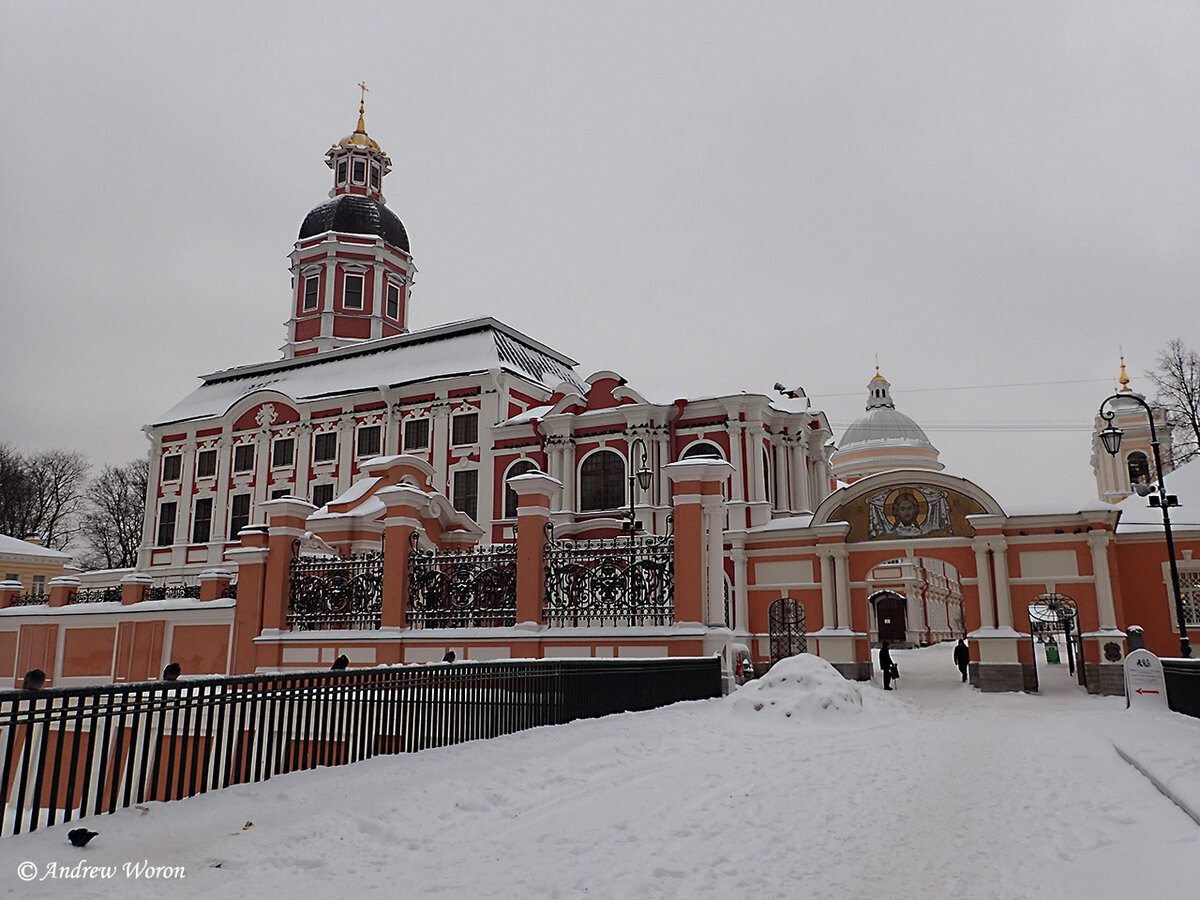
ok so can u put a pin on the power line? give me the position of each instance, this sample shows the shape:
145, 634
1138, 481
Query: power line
816, 395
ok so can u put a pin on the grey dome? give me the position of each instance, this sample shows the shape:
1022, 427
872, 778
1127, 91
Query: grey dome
884, 424
352, 214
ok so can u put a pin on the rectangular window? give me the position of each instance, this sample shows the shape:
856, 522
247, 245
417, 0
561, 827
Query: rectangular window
1189, 592
280, 492
416, 435
369, 440
325, 447
284, 454
466, 491
312, 284
12, 576
375, 177
202, 521
239, 514
393, 301
465, 429
172, 466
166, 524
206, 463
352, 298
39, 585
342, 172
322, 494
360, 172
243, 458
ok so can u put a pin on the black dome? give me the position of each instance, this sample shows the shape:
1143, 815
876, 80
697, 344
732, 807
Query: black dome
351, 214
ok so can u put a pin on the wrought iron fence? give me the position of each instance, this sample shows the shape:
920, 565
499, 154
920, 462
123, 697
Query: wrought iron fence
30, 599
96, 595
73, 752
474, 588
173, 592
613, 581
335, 592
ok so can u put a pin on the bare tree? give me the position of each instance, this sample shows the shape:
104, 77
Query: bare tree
112, 526
1177, 379
42, 495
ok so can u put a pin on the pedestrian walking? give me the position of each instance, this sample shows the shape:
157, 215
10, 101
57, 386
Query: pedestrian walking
962, 656
886, 666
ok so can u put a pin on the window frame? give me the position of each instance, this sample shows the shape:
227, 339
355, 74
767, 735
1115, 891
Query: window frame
362, 290
166, 528
464, 417
318, 439
391, 301
177, 460
354, 171
343, 171
239, 449
234, 514
527, 465
428, 433
605, 488
202, 503
315, 281
472, 494
321, 487
275, 445
201, 456
363, 430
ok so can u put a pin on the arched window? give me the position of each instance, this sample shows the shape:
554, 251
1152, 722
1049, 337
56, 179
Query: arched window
1139, 468
520, 467
766, 472
602, 481
702, 450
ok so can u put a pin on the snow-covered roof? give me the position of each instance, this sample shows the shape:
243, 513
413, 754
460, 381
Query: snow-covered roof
459, 348
15, 548
1184, 483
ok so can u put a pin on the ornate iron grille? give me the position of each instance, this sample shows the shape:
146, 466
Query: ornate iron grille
328, 593
96, 595
230, 590
788, 625
173, 592
474, 588
31, 599
612, 581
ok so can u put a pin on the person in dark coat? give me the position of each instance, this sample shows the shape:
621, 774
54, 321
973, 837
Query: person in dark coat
962, 656
886, 666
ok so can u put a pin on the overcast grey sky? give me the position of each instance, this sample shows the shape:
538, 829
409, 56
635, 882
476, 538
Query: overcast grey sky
704, 197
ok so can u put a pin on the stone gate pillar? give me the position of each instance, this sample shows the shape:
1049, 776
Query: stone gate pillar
694, 485
537, 494
251, 561
404, 504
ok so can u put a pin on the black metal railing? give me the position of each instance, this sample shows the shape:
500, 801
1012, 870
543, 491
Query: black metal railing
473, 588
173, 592
614, 581
30, 599
96, 595
74, 752
335, 592
1183, 685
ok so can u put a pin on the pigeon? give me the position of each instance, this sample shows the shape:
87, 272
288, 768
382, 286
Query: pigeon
171, 672
449, 657
35, 680
340, 663
80, 836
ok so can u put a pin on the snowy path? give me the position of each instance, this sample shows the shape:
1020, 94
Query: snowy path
932, 791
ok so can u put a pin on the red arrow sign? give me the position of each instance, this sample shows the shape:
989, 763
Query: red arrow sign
1144, 691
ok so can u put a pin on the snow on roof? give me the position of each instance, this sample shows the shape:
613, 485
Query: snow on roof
460, 348
13, 548
1184, 483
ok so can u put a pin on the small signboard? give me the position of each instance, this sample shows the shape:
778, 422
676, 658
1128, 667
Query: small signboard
1145, 687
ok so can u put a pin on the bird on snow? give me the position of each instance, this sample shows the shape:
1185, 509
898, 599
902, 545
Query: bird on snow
340, 663
171, 672
80, 836
449, 657
35, 680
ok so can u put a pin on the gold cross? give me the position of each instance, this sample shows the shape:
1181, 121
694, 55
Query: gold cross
364, 92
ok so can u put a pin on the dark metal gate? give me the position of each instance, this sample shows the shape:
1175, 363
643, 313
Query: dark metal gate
789, 631
1051, 615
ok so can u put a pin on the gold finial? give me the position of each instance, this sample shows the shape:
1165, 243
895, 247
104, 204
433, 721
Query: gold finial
877, 377
1124, 379
362, 127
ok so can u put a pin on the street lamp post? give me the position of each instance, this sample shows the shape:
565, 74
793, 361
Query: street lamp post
641, 478
1111, 438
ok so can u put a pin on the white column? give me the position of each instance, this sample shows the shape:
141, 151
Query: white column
303, 456
800, 492
741, 595
841, 557
439, 427
1098, 544
828, 609
1004, 615
779, 457
715, 555
734, 430
984, 573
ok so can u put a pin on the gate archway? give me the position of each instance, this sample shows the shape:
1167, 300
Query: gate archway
1051, 615
891, 617
788, 628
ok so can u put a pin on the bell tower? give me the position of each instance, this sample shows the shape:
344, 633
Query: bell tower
1119, 476
351, 266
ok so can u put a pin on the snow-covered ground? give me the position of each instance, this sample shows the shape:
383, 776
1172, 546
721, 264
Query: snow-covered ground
798, 785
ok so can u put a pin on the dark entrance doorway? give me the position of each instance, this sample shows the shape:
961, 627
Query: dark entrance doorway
1054, 630
789, 629
891, 618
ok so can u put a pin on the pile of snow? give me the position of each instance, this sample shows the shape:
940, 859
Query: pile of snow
802, 688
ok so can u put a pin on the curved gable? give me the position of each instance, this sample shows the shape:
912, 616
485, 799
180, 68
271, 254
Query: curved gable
906, 504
